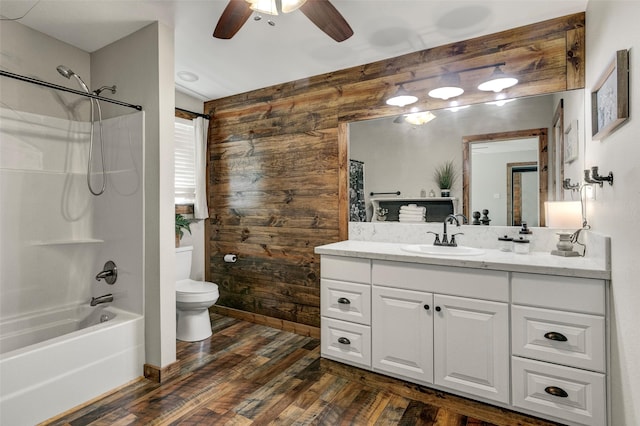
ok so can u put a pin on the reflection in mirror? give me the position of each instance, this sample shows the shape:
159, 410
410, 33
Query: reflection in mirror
507, 174
399, 156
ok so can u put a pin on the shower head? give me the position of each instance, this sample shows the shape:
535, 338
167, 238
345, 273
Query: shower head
66, 72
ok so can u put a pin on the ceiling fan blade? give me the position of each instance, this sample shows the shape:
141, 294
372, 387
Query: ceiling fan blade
232, 19
327, 18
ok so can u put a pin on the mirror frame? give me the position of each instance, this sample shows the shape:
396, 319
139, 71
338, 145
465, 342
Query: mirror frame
543, 163
543, 70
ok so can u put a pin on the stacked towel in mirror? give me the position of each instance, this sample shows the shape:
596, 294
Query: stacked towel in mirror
412, 213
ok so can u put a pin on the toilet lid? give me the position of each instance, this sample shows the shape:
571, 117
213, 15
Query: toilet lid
189, 286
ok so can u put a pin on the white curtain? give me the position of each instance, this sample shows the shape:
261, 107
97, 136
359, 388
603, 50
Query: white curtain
200, 128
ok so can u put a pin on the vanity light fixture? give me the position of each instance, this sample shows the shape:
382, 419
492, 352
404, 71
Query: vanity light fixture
450, 87
419, 118
402, 98
498, 81
567, 217
450, 84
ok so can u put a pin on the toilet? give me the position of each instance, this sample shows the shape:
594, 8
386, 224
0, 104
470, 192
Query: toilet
193, 299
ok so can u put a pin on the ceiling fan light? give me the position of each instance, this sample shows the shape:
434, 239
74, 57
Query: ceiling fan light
498, 82
402, 98
291, 5
419, 118
446, 92
264, 6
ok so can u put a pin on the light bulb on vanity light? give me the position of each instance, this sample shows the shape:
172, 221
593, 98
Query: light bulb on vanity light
402, 98
566, 216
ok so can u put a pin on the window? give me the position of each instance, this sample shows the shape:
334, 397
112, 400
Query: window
185, 162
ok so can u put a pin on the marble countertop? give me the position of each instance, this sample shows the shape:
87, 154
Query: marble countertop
493, 259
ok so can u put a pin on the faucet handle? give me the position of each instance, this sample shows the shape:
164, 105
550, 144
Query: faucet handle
453, 242
436, 242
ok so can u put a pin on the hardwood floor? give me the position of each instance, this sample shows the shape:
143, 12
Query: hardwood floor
249, 374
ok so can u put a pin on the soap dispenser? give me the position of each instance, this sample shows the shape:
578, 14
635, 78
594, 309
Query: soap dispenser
525, 230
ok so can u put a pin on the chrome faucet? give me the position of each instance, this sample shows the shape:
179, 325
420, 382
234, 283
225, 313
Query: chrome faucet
109, 273
452, 218
101, 299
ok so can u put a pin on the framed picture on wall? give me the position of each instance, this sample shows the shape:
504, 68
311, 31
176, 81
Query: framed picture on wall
610, 97
571, 142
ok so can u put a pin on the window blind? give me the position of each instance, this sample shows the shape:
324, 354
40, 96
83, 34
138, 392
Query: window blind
185, 162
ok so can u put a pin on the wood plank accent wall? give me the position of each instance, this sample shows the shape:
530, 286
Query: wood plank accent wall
277, 177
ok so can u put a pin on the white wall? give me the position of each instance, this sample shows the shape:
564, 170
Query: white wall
141, 65
611, 26
56, 236
33, 54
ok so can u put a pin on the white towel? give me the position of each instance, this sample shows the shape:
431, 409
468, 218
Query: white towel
411, 216
413, 209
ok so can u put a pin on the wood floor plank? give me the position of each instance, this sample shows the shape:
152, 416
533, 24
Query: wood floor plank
250, 374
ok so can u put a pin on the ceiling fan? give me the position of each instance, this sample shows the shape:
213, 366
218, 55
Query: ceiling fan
321, 12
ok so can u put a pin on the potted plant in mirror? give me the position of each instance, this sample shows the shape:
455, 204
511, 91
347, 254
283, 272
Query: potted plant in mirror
182, 224
445, 176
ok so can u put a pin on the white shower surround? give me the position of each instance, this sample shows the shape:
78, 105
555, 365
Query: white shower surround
55, 237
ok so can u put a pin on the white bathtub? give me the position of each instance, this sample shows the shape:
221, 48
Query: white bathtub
56, 360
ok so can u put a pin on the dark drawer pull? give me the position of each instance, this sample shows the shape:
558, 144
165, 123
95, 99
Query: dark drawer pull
552, 335
344, 341
426, 307
438, 308
556, 391
344, 301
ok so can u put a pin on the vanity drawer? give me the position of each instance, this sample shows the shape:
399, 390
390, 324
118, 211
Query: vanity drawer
342, 268
556, 292
346, 301
568, 338
346, 342
564, 392
464, 282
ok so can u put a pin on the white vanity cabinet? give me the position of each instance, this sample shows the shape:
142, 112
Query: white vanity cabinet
345, 305
403, 333
515, 335
559, 347
434, 325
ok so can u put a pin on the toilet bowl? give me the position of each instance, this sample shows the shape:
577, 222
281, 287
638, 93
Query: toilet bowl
193, 299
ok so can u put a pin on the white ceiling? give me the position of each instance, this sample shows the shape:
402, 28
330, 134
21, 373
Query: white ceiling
260, 55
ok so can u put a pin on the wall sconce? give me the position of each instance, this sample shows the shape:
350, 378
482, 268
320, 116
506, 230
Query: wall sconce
402, 98
566, 184
596, 178
498, 81
566, 216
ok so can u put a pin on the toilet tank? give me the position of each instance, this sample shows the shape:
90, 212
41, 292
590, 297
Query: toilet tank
183, 262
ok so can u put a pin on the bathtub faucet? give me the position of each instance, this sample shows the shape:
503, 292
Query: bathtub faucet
101, 299
109, 273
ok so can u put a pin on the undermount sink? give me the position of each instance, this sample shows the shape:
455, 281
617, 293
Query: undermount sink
428, 249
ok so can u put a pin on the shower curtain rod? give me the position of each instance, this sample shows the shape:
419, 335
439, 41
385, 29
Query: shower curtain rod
197, 114
66, 89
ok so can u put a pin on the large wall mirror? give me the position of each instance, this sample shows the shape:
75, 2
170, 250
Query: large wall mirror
509, 176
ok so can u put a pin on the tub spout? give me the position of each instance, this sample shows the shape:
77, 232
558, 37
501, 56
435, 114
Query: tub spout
101, 299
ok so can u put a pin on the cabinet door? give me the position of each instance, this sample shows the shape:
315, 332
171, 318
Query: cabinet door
471, 346
402, 333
